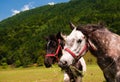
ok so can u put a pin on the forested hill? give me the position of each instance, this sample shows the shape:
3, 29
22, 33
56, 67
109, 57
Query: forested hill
21, 36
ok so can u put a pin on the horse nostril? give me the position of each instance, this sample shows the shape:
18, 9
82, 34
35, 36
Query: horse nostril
62, 64
65, 63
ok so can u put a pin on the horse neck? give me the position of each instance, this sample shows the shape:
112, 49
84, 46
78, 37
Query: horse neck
98, 39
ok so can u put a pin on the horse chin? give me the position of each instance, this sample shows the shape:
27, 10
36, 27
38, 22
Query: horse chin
48, 65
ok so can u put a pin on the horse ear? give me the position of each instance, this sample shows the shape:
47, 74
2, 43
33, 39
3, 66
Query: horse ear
72, 26
63, 36
58, 36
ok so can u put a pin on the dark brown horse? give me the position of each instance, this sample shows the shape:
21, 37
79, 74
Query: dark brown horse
54, 48
105, 46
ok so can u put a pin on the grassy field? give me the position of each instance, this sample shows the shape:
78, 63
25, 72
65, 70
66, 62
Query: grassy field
42, 74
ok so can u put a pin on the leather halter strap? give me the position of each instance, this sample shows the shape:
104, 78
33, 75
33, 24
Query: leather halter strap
56, 53
81, 52
91, 45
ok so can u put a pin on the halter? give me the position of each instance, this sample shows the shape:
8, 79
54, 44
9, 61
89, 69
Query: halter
81, 52
56, 53
91, 45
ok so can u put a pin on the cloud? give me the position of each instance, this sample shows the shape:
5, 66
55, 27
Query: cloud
27, 6
24, 8
51, 3
14, 12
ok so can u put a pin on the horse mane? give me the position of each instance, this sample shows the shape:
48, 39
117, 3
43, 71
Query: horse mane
52, 37
55, 37
91, 27
100, 25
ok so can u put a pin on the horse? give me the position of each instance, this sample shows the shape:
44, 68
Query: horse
53, 49
55, 44
101, 42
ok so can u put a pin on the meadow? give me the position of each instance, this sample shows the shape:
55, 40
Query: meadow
42, 74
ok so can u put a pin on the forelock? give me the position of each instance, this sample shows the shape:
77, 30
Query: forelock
76, 34
52, 37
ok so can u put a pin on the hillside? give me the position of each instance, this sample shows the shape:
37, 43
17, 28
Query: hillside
21, 36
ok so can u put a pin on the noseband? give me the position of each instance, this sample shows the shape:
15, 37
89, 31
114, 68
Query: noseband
85, 48
56, 53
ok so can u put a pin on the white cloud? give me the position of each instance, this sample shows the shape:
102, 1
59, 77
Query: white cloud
51, 3
24, 8
14, 12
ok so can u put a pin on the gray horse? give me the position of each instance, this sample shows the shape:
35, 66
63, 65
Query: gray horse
105, 46
102, 43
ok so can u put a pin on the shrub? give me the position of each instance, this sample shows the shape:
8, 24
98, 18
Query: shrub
4, 65
17, 63
40, 61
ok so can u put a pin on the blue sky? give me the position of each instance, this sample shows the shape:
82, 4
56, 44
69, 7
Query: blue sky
9, 8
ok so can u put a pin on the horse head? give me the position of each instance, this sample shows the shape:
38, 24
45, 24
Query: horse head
75, 47
53, 49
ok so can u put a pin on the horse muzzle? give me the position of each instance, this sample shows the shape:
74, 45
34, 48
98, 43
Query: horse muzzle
47, 63
63, 65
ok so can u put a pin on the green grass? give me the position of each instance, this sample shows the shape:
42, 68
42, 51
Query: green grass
42, 74
93, 74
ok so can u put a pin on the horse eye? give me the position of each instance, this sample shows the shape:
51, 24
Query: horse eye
79, 41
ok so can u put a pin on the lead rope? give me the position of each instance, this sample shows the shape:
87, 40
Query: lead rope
108, 66
75, 71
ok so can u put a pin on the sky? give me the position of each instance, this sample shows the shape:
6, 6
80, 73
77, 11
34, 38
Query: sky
9, 8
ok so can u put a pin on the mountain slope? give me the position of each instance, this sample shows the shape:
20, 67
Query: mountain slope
22, 42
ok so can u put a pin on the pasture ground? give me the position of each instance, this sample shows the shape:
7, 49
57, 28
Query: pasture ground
42, 74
